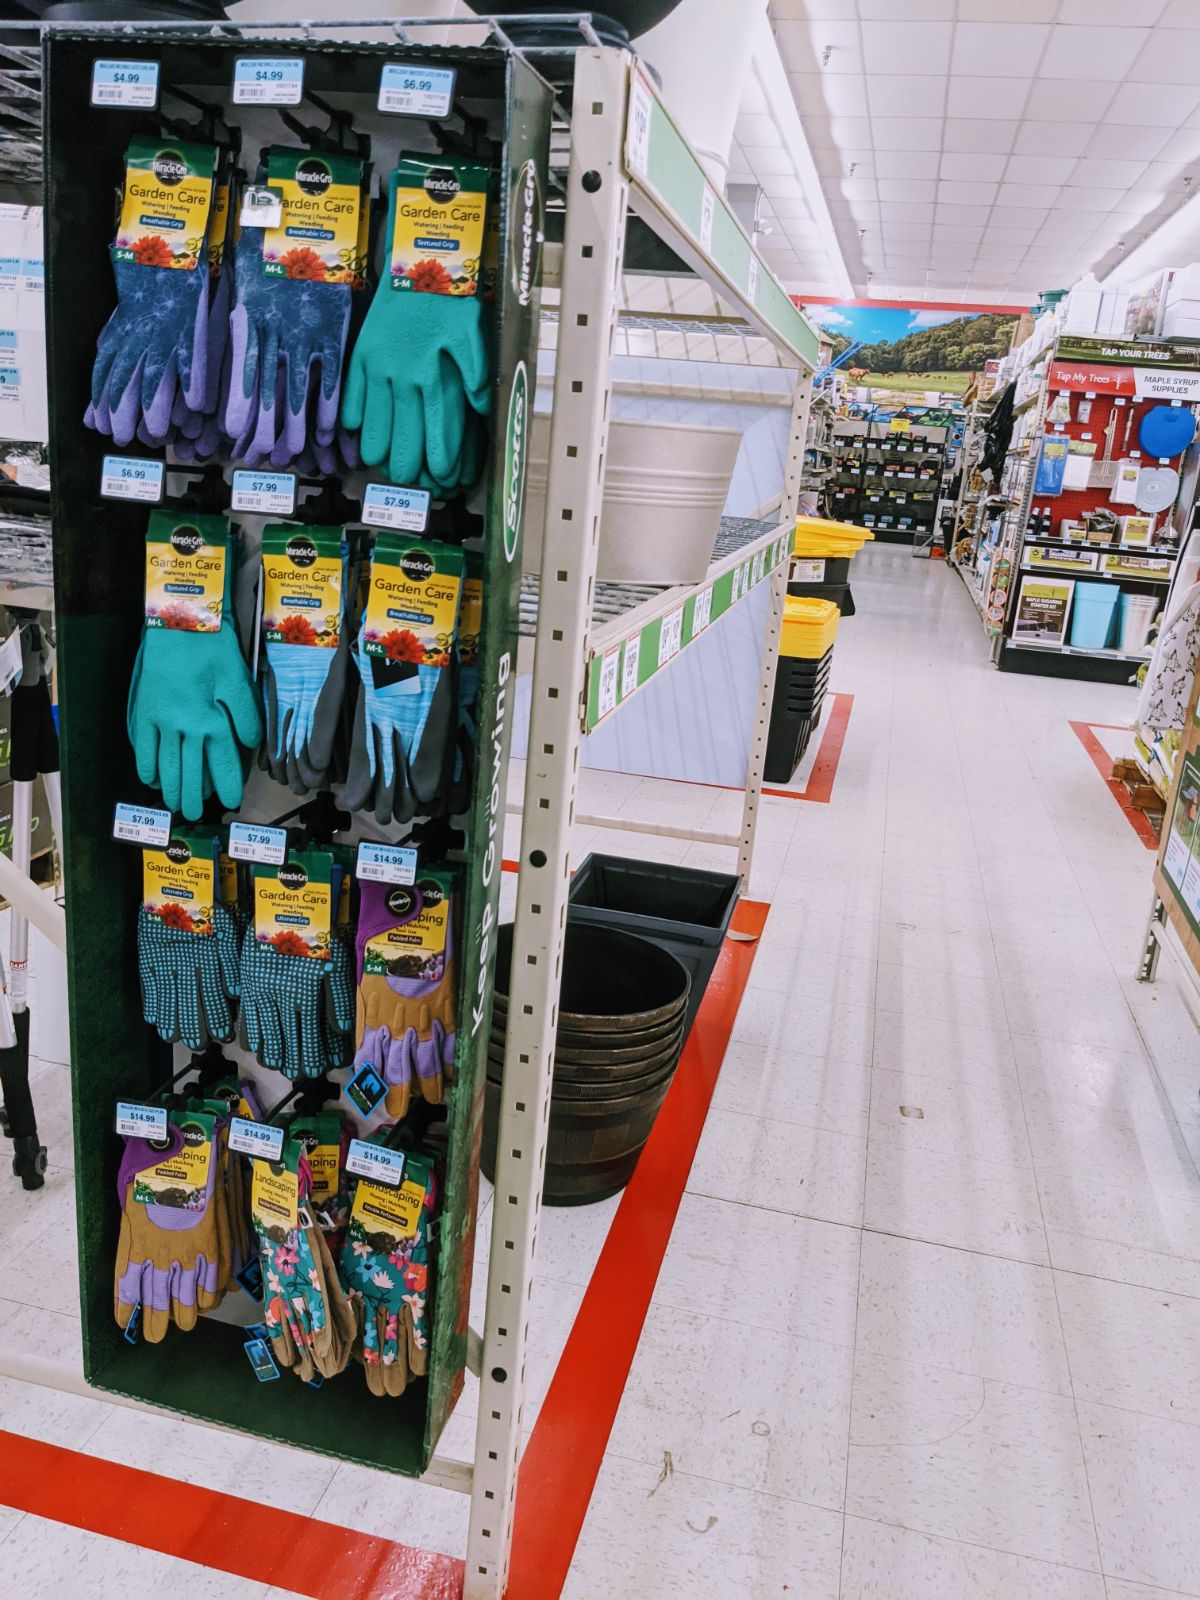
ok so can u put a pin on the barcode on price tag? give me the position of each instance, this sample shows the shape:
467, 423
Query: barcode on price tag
250, 841
386, 863
708, 206
641, 109
374, 1161
271, 492
141, 825
607, 699
670, 638
125, 83
259, 1139
702, 612
268, 81
141, 1122
131, 478
385, 506
629, 666
408, 91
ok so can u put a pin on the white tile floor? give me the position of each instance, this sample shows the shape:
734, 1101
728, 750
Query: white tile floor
944, 1352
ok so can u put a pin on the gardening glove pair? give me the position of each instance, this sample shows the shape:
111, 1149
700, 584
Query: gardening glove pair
403, 742
189, 980
297, 1011
404, 1024
308, 1317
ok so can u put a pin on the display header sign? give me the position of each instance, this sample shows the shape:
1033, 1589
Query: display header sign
1127, 352
1136, 383
1043, 606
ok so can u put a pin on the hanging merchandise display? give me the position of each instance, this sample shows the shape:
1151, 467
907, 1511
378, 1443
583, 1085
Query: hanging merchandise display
291, 411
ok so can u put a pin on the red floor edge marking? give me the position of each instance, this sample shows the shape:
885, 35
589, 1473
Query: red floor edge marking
819, 787
1102, 761
216, 1530
562, 1459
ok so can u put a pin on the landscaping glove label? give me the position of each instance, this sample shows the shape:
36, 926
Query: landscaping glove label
275, 1195
437, 236
293, 904
316, 238
382, 1218
179, 884
180, 1180
414, 946
413, 601
185, 571
168, 197
302, 586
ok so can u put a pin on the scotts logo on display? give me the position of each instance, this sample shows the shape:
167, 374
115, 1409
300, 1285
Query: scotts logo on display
418, 565
170, 168
526, 233
179, 852
441, 184
313, 176
514, 460
186, 540
301, 552
293, 876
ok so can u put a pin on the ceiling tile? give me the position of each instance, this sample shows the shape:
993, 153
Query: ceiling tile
904, 210
787, 210
1039, 169
843, 95
1116, 12
835, 46
893, 97
859, 188
972, 166
1014, 10
996, 233
894, 189
770, 161
956, 216
1089, 199
907, 133
907, 10
949, 233
906, 47
1110, 173
1084, 101
1180, 14
1171, 55
1106, 54
1027, 194
1118, 139
985, 136
1138, 202
986, 97
998, 49
1019, 216
1182, 147
1164, 175
952, 193
756, 130
849, 133
906, 163
909, 230
1060, 230
780, 186
1160, 105
1038, 138
836, 163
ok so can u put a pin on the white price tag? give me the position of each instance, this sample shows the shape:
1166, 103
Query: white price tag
411, 91
142, 825
376, 1162
808, 571
386, 863
670, 638
629, 666
131, 478
607, 698
125, 83
250, 841
268, 81
386, 506
261, 1139
702, 612
141, 1122
271, 492
262, 206
10, 660
708, 206
752, 281
637, 134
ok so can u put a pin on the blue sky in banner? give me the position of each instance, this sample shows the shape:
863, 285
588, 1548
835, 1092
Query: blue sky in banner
881, 324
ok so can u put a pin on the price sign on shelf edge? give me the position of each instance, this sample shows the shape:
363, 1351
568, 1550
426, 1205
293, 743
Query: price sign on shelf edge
385, 863
144, 825
272, 493
386, 506
136, 1121
131, 478
408, 91
253, 841
606, 700
376, 1162
670, 638
268, 80
629, 666
125, 84
262, 1140
641, 109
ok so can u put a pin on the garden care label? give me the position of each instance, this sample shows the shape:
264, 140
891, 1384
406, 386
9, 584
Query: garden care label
275, 1194
302, 586
385, 1216
185, 571
414, 945
316, 237
470, 616
180, 1179
179, 883
168, 197
293, 904
438, 225
412, 604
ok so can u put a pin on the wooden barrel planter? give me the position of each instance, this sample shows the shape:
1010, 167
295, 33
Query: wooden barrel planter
621, 1028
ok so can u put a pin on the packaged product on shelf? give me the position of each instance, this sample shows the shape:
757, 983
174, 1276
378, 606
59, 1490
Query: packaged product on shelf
187, 945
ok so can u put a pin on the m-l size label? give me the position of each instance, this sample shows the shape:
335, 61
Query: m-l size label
268, 81
251, 841
272, 493
385, 506
386, 863
141, 1122
375, 1161
142, 825
408, 91
125, 83
259, 1139
131, 478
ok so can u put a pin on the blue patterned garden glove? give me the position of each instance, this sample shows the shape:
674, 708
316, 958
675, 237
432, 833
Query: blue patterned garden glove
393, 710
152, 348
189, 980
419, 365
303, 687
465, 737
288, 341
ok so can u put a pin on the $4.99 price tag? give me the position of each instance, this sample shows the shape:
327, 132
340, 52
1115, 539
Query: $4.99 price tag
131, 478
268, 81
125, 83
142, 825
408, 91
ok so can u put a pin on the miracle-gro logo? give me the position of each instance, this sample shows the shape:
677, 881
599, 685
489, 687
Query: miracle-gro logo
301, 552
169, 168
526, 233
186, 540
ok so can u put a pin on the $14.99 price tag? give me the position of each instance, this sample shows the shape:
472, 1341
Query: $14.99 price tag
136, 1121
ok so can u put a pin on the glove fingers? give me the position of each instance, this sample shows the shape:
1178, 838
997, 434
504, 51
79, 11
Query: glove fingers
378, 421
169, 776
445, 420
354, 394
192, 775
406, 462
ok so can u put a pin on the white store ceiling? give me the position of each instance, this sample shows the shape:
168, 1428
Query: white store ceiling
973, 150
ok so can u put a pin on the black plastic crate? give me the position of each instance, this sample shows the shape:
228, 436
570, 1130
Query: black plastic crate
684, 909
839, 593
834, 569
800, 688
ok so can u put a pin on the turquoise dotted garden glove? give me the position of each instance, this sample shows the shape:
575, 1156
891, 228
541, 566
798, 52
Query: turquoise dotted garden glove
189, 979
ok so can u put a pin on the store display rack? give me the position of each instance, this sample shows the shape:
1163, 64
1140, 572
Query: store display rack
618, 155
887, 479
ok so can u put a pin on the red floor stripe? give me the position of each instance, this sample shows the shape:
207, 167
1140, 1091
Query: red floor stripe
562, 1459
819, 787
217, 1530
1103, 762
